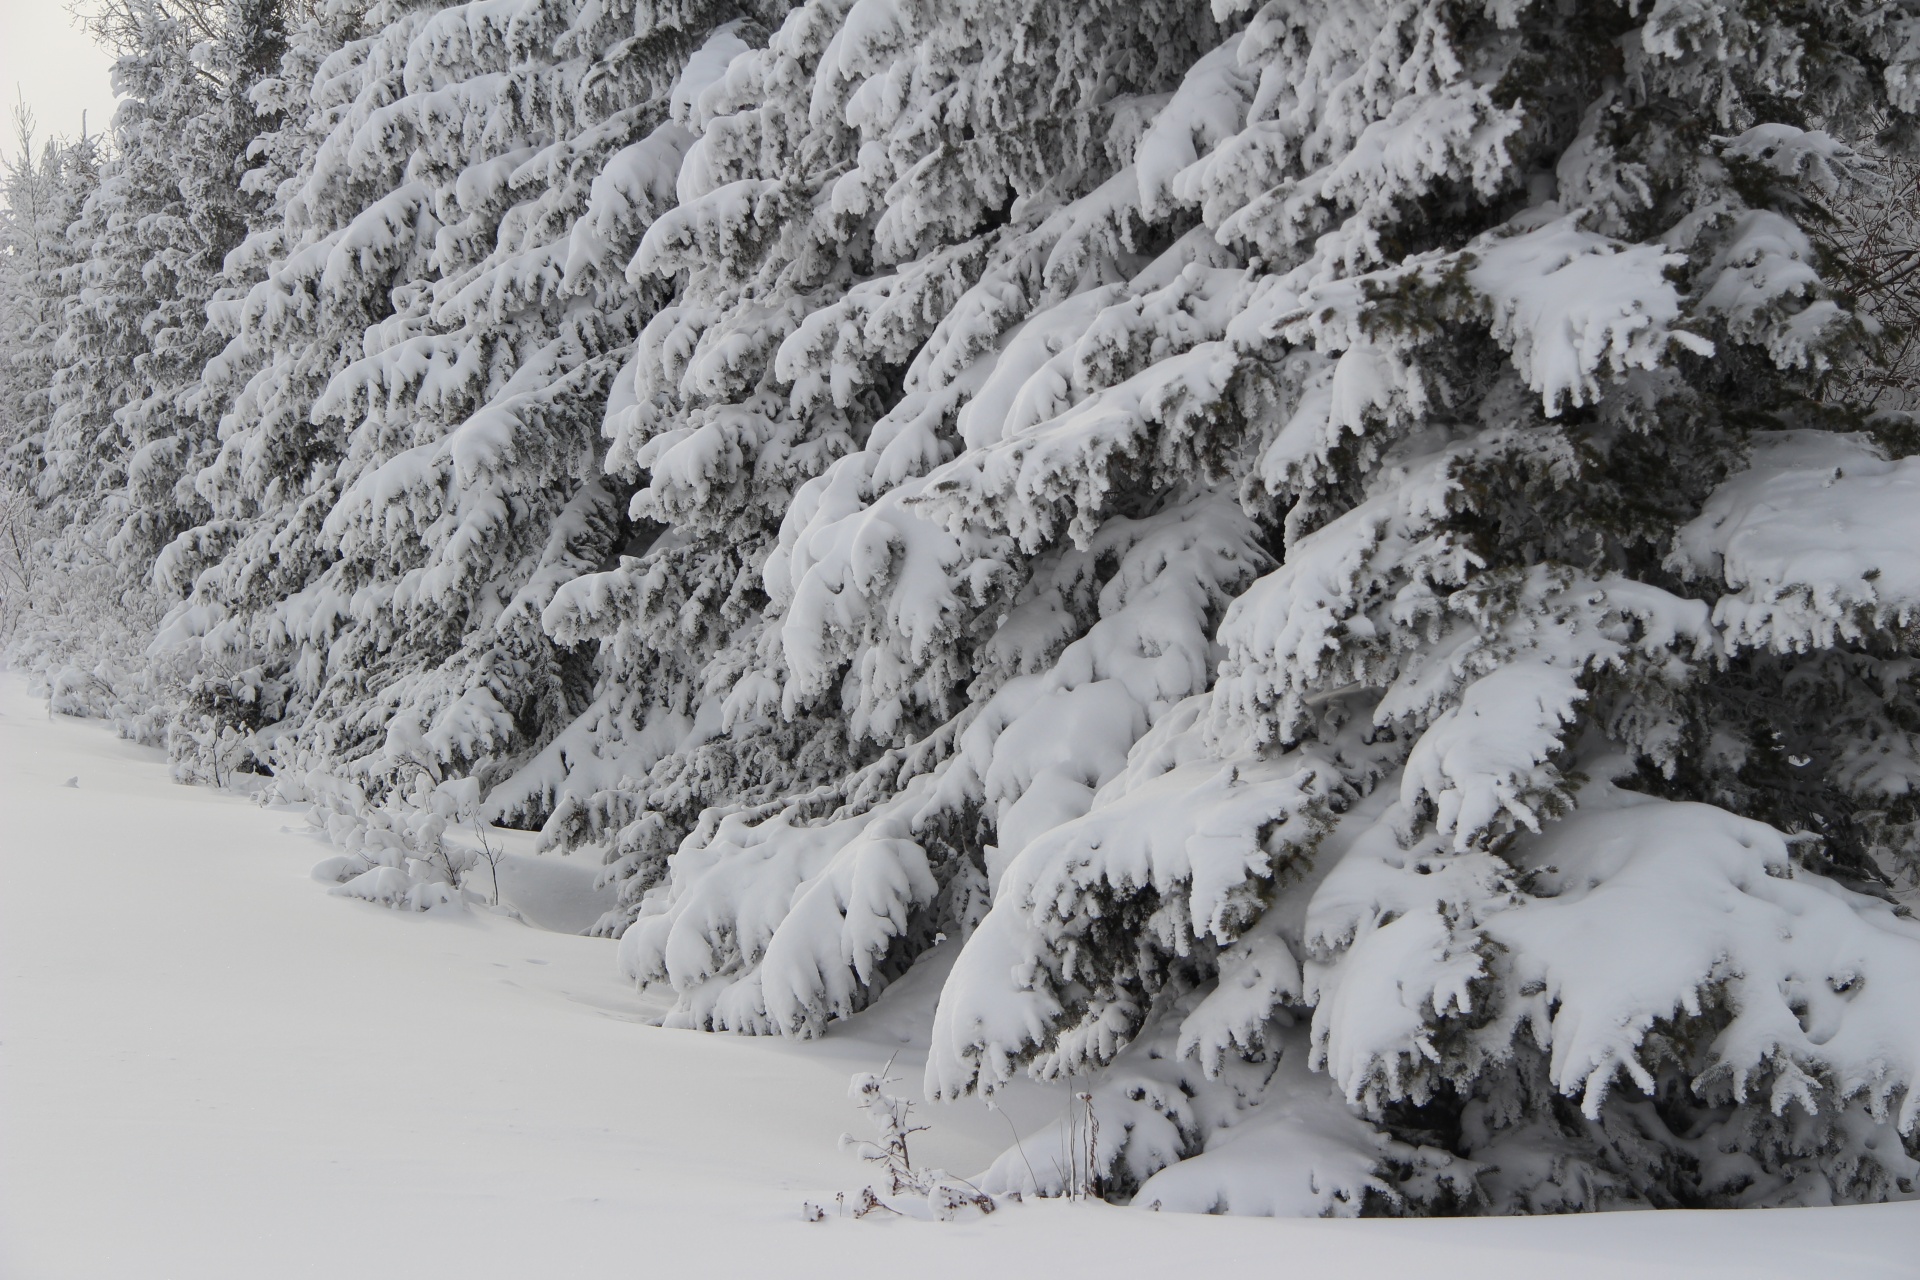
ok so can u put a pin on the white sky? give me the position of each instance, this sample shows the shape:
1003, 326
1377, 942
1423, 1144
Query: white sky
50, 61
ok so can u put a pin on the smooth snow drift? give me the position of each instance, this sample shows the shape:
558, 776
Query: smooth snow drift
211, 1068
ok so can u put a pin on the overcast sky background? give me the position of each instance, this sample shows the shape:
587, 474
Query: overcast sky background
46, 58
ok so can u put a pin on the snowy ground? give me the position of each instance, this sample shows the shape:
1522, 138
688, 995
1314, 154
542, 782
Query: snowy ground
210, 1068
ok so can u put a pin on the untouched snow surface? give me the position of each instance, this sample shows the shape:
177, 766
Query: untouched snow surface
211, 1068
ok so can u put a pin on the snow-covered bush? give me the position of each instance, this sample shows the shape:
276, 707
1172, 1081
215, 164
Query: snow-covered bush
395, 853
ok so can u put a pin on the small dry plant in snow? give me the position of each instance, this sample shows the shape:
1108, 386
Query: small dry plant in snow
893, 1122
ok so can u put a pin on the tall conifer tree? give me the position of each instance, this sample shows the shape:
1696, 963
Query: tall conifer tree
1306, 515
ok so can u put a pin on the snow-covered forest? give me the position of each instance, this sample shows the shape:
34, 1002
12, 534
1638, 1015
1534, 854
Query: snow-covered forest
1340, 578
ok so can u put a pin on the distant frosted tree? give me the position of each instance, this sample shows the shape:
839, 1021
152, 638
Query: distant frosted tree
1309, 542
41, 192
129, 425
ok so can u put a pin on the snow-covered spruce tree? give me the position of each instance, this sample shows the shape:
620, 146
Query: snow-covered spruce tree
98, 608
1323, 522
177, 208
129, 426
44, 187
789, 346
90, 608
270, 483
411, 465
39, 194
